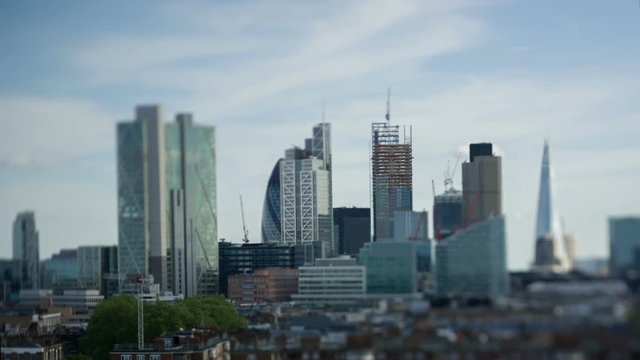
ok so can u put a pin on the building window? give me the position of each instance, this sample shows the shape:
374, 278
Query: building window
125, 357
139, 357
155, 356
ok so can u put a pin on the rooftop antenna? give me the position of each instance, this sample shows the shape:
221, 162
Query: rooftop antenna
388, 116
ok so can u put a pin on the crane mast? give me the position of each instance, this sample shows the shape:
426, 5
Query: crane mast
245, 232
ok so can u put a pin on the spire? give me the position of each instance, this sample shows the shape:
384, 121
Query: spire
550, 251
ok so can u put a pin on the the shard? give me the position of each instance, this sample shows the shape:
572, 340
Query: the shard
550, 248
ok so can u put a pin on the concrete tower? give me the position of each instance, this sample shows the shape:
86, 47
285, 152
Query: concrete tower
550, 251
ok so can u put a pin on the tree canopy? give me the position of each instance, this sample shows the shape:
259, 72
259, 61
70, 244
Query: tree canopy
115, 321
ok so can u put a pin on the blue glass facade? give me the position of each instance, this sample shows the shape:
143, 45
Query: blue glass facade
472, 262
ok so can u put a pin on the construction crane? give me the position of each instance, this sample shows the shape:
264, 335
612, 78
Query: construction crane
244, 226
419, 226
449, 174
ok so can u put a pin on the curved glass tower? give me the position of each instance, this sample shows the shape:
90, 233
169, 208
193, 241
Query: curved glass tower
271, 223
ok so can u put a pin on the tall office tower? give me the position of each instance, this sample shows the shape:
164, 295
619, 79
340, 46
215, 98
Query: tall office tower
271, 212
481, 184
167, 202
142, 196
351, 229
472, 262
550, 248
624, 244
447, 214
391, 175
305, 193
26, 250
191, 207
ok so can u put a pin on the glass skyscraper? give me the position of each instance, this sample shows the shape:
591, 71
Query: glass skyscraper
167, 202
141, 196
271, 222
192, 212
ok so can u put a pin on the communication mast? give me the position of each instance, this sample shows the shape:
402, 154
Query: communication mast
245, 232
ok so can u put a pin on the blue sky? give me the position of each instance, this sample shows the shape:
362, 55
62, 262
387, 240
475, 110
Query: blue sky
508, 72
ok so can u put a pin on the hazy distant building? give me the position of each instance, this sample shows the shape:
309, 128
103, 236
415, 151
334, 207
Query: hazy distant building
306, 193
473, 262
271, 211
9, 280
550, 246
481, 184
624, 244
351, 229
192, 211
89, 267
60, 272
570, 247
26, 250
142, 214
391, 176
167, 215
447, 214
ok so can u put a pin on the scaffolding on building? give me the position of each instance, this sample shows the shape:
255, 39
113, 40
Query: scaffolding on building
392, 174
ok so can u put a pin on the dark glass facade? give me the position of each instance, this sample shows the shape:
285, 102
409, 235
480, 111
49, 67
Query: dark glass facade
240, 258
447, 214
352, 229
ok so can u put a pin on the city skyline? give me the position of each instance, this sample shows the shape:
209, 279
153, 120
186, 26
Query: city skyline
524, 84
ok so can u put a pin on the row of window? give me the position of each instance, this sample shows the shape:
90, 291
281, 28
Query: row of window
140, 357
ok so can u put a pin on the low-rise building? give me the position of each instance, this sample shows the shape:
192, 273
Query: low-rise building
19, 348
80, 300
263, 286
197, 344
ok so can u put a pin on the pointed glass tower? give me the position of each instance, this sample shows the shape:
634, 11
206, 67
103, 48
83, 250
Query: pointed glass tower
550, 250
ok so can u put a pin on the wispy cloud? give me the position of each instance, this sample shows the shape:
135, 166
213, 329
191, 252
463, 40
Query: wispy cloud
44, 131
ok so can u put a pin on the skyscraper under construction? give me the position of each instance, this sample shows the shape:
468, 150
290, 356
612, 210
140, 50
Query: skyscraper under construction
391, 175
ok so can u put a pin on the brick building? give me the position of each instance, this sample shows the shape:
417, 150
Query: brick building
263, 286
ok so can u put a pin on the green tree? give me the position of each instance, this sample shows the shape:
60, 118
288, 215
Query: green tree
115, 321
